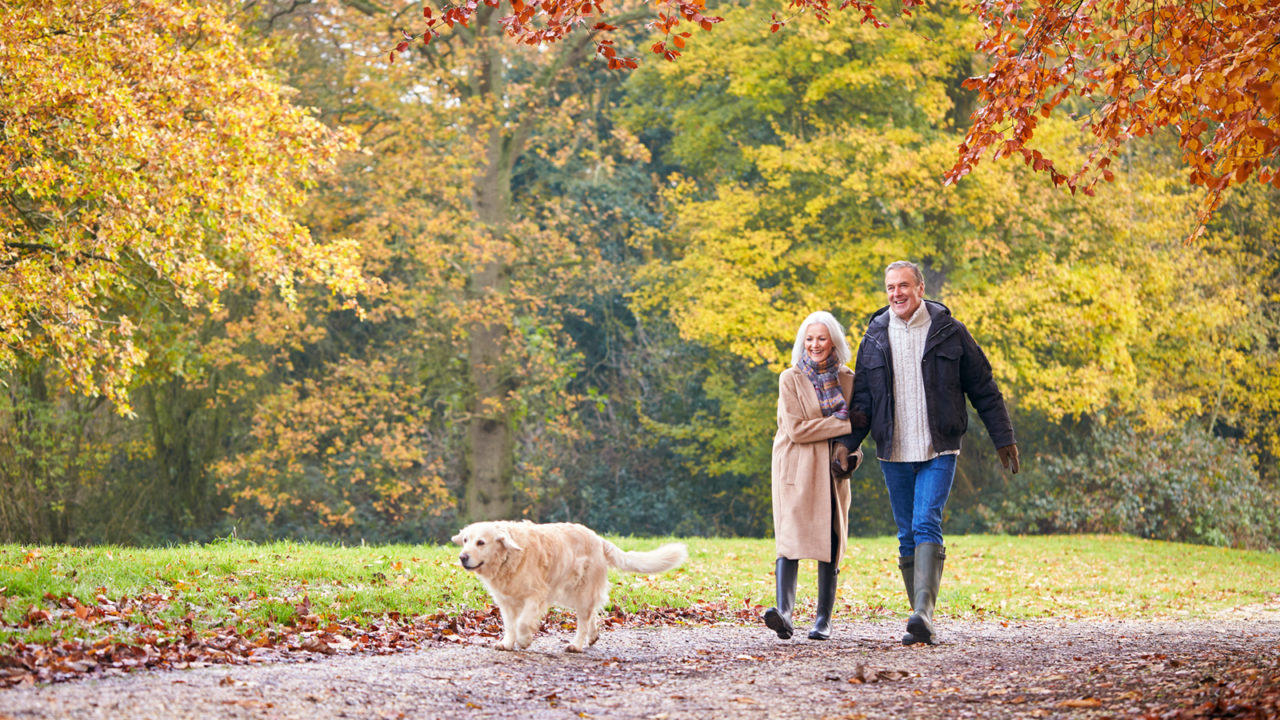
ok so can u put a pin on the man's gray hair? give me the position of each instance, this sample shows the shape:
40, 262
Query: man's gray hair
901, 264
839, 345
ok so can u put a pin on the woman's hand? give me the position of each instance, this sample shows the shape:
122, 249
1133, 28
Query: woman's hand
840, 468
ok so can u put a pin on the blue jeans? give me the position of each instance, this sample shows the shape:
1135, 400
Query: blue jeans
917, 493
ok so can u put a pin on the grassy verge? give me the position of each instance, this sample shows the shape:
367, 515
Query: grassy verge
48, 593
1001, 577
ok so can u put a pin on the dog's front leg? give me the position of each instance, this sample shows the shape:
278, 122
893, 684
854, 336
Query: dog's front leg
509, 622
528, 622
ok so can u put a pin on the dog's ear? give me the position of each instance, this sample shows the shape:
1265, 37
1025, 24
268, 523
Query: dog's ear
507, 542
458, 539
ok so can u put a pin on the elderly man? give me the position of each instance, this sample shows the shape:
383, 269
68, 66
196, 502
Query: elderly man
915, 366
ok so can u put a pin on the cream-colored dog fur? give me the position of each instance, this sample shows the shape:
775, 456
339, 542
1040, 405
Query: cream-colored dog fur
528, 567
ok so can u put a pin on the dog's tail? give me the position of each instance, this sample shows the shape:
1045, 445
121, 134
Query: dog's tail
655, 561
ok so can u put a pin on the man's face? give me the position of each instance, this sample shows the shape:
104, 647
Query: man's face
905, 295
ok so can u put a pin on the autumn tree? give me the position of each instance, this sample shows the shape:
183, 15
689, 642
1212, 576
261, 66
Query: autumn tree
315, 422
1211, 71
812, 166
514, 100
153, 161
150, 162
805, 166
456, 382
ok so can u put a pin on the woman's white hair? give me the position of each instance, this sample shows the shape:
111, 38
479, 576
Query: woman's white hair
834, 329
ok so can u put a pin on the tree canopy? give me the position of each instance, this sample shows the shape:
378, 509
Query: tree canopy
151, 160
1128, 69
1122, 69
575, 288
812, 168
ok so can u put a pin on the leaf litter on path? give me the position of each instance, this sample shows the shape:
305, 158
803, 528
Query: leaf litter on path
667, 665
137, 641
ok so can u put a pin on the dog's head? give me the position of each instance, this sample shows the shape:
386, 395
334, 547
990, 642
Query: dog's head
484, 546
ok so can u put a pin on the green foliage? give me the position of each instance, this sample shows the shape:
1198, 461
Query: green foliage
73, 471
1246, 403
39, 461
1183, 485
722, 448
637, 467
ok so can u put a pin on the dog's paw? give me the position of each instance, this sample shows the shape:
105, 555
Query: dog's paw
505, 644
572, 648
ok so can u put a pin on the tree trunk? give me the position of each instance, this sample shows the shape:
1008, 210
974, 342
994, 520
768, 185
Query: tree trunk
491, 440
490, 490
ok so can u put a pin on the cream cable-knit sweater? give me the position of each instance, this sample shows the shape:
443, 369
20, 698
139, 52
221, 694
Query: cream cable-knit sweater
911, 439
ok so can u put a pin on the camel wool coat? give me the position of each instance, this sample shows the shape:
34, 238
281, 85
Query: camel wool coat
803, 489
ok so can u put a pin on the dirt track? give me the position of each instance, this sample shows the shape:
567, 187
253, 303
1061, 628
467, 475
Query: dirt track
982, 669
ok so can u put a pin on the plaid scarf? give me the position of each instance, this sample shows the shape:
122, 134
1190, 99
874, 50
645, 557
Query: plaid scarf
825, 377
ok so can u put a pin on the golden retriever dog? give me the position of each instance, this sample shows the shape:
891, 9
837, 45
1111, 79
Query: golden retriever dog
528, 567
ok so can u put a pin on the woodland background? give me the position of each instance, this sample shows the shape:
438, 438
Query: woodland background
261, 280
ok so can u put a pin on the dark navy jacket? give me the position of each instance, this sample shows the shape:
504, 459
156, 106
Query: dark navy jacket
953, 367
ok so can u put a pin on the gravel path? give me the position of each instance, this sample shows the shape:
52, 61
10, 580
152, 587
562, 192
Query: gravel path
983, 669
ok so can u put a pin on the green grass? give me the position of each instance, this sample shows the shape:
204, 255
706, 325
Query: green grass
1003, 577
253, 587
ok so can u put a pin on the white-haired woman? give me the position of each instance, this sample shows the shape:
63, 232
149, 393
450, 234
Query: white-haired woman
810, 502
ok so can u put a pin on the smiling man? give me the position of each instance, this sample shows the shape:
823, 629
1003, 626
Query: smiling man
916, 364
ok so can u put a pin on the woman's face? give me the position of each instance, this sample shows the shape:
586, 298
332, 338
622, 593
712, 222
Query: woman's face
817, 342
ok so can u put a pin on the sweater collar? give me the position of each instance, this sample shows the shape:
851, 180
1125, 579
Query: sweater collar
919, 318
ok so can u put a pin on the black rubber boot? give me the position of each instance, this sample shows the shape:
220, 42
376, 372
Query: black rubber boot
929, 561
907, 564
779, 618
827, 574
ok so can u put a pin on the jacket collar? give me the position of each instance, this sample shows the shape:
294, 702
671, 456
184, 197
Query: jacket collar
943, 324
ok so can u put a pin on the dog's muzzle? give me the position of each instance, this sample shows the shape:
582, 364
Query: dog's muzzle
465, 559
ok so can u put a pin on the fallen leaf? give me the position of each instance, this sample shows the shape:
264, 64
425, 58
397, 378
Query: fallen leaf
864, 674
1089, 702
316, 645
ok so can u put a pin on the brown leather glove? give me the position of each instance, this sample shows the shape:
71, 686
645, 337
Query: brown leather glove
1009, 457
840, 468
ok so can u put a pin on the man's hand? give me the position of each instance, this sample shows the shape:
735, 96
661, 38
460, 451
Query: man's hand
840, 461
858, 420
1009, 458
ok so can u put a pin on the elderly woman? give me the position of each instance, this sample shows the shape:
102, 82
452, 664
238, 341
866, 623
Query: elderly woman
810, 502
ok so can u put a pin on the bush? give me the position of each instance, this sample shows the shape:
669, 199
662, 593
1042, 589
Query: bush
1184, 485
